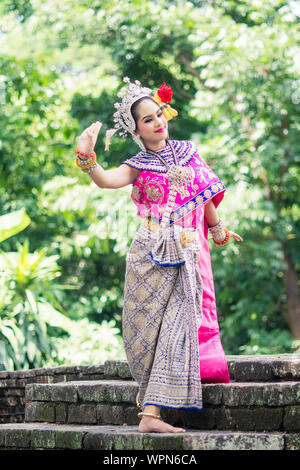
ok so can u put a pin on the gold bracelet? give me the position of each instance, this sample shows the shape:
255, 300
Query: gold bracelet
226, 239
151, 415
86, 166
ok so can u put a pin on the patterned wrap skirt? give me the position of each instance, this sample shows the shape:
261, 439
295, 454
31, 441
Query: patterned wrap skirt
161, 317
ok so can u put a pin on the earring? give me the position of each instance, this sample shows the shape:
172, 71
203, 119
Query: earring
138, 140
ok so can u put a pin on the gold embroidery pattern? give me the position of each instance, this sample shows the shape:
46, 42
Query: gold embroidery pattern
199, 200
154, 189
214, 189
152, 225
183, 210
194, 187
136, 192
186, 238
153, 193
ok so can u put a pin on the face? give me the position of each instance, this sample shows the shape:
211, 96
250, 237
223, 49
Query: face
152, 125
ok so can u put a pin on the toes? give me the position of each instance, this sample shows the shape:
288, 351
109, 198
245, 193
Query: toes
179, 430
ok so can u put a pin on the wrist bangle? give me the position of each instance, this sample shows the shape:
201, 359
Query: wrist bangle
226, 239
91, 168
220, 235
85, 155
86, 166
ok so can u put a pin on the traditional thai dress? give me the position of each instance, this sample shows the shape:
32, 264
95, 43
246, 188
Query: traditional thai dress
169, 321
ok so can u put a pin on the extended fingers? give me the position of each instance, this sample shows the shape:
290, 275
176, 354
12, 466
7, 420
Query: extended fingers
237, 237
94, 128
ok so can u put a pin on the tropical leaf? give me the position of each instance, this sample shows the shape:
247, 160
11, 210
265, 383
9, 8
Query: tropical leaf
13, 223
53, 317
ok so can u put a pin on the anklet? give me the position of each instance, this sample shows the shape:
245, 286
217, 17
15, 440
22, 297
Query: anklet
138, 404
151, 415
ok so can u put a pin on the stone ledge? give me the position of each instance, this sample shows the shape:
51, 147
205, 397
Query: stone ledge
234, 394
259, 419
236, 406
241, 368
53, 436
251, 368
262, 368
61, 373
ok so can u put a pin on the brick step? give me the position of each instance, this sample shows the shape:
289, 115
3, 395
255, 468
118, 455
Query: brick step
54, 436
269, 406
261, 368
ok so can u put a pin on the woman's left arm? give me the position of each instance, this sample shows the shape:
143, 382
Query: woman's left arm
211, 215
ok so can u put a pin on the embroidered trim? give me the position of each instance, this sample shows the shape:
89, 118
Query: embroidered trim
153, 192
165, 264
188, 207
200, 198
172, 407
184, 149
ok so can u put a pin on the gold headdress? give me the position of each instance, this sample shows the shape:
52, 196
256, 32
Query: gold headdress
124, 121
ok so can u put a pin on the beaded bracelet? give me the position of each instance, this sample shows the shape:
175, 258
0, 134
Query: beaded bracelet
226, 239
85, 155
86, 166
217, 231
85, 161
91, 168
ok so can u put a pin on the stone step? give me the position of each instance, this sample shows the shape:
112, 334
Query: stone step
261, 406
44, 436
261, 368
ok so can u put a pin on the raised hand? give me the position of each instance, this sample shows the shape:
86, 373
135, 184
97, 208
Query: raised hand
87, 140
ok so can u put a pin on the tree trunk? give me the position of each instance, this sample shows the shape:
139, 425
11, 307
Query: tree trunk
290, 280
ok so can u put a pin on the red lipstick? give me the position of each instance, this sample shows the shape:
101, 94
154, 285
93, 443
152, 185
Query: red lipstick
160, 130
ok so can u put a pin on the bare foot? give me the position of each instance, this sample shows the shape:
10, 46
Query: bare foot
148, 424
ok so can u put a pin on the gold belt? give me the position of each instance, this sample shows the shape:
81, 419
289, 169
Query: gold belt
186, 237
152, 225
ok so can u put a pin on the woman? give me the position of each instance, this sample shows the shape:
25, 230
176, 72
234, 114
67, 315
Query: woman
170, 326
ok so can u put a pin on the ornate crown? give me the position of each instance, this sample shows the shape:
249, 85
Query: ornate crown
123, 119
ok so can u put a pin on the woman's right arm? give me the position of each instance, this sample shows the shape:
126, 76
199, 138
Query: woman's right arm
114, 178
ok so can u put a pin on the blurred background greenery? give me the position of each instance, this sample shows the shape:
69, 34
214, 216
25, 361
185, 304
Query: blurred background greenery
234, 67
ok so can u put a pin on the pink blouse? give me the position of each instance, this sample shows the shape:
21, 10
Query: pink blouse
151, 188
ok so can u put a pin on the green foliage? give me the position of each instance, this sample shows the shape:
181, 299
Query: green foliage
13, 223
31, 128
233, 66
22, 280
25, 280
88, 343
32, 317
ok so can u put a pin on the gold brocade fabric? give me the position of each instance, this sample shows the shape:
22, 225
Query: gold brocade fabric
161, 316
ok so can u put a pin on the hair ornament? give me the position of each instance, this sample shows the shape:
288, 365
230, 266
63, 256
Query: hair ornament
124, 122
162, 97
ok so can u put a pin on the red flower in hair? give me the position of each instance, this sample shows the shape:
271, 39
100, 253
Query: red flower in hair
165, 93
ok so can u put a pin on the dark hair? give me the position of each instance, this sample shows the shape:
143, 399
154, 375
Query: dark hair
135, 105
